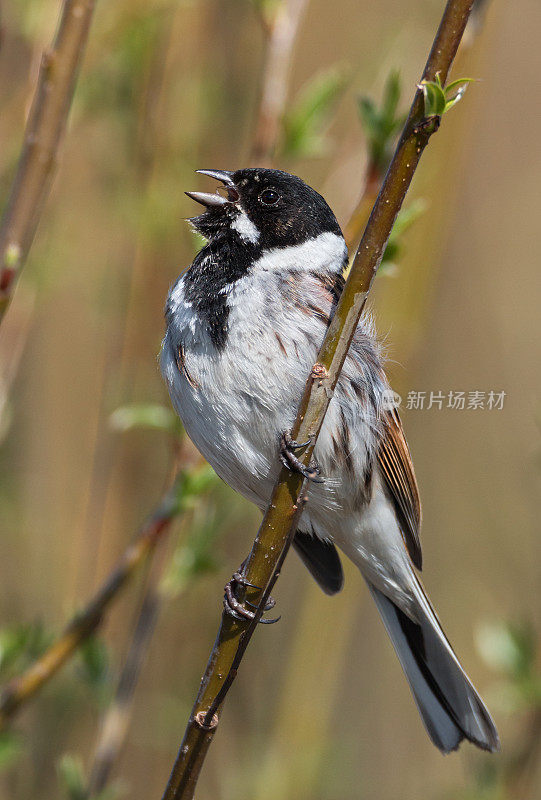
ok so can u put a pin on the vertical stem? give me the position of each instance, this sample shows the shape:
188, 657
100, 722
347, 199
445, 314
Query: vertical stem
42, 139
282, 35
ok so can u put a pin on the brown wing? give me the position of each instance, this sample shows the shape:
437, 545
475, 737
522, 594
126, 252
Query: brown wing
397, 470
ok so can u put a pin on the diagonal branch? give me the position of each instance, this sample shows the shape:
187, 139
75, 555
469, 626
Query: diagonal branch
24, 686
276, 531
42, 140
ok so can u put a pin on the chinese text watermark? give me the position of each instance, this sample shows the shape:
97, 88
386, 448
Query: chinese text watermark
453, 400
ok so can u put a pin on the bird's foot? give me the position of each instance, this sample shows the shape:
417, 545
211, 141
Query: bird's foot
290, 460
236, 609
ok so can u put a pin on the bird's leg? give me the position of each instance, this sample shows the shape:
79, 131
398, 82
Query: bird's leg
235, 608
290, 460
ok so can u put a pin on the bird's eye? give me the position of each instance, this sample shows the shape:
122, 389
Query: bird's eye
269, 197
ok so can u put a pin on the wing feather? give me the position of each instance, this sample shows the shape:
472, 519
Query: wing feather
397, 469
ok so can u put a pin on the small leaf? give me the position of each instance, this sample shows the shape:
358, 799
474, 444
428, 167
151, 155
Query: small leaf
381, 126
369, 116
12, 644
455, 91
406, 217
150, 416
95, 660
200, 480
305, 124
195, 556
267, 9
437, 99
391, 96
113, 792
404, 220
38, 640
10, 748
434, 98
22, 642
509, 648
71, 775
191, 484
452, 87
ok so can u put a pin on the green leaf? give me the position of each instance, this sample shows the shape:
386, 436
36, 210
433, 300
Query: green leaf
10, 748
508, 647
198, 481
12, 644
113, 792
438, 99
391, 97
196, 554
71, 775
149, 416
455, 91
189, 485
369, 117
95, 661
22, 643
305, 124
267, 8
381, 125
404, 220
406, 217
434, 98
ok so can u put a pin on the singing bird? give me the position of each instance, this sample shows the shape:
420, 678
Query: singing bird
244, 326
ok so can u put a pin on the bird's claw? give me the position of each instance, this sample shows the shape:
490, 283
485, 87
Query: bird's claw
236, 609
290, 460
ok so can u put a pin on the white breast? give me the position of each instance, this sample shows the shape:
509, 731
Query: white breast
235, 402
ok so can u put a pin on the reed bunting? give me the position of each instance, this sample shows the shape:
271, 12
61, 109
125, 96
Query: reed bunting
244, 325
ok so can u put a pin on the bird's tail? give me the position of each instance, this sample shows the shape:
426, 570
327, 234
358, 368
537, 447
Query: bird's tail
449, 706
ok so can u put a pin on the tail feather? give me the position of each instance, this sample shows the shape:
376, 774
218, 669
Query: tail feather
449, 705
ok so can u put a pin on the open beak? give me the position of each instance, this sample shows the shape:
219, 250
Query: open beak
214, 200
208, 200
220, 174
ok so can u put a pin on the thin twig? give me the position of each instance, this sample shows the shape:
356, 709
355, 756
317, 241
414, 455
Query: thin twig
21, 688
281, 40
42, 139
117, 718
275, 534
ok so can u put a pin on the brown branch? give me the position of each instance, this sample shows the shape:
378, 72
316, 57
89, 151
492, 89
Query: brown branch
117, 718
275, 534
23, 687
42, 139
282, 34
357, 222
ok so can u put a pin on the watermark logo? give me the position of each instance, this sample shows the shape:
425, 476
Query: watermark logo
453, 400
390, 400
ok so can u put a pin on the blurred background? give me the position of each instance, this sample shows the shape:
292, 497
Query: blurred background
320, 709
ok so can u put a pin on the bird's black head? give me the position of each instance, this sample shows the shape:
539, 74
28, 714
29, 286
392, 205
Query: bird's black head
266, 207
